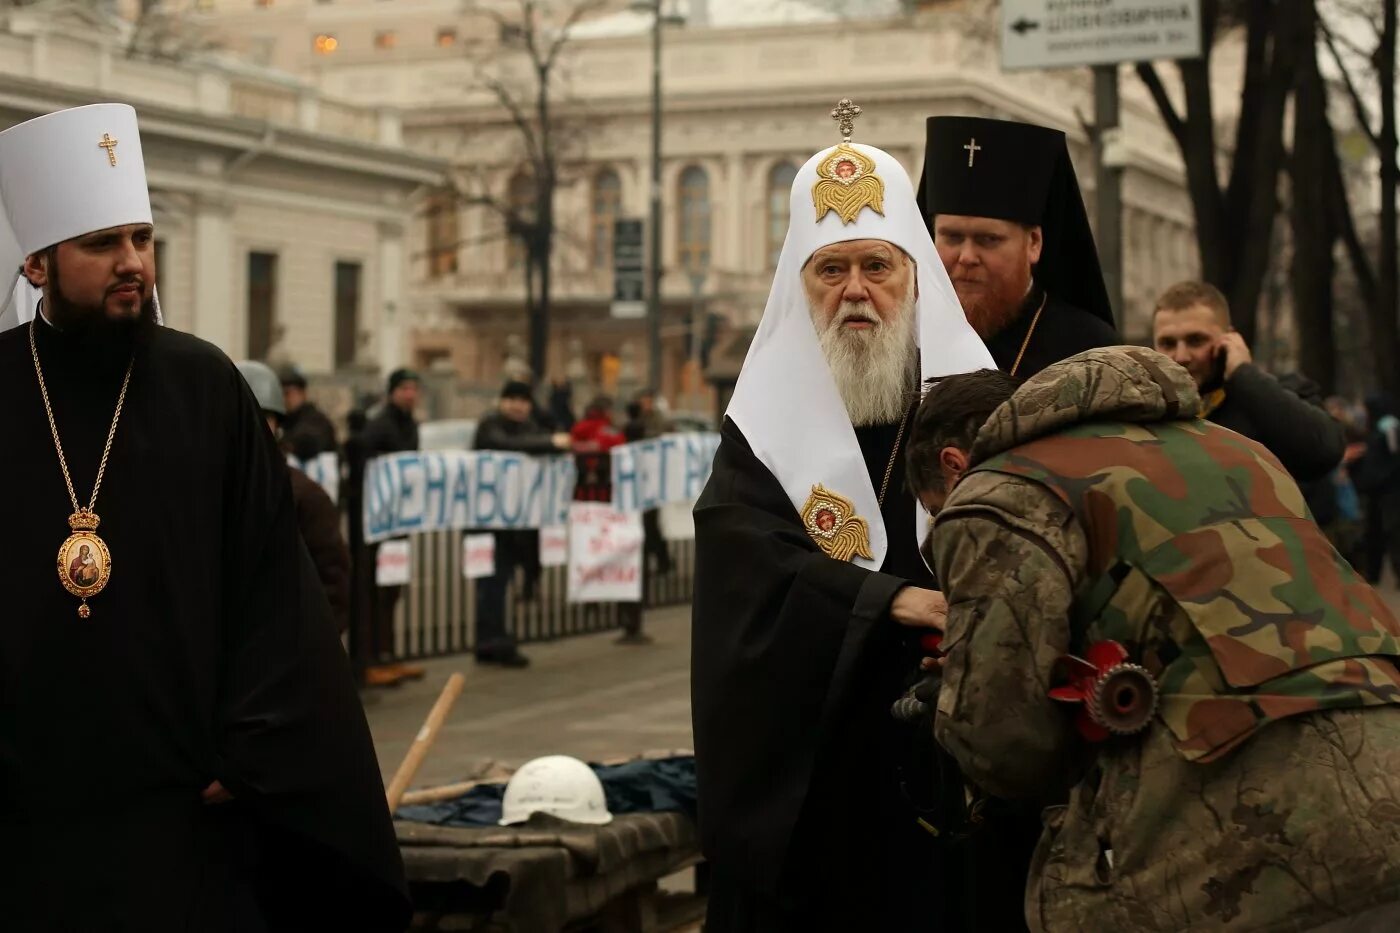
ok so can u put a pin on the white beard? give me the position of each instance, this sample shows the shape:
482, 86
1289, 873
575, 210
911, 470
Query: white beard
875, 370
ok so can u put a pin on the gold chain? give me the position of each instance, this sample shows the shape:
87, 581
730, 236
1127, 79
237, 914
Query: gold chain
53, 426
889, 468
1030, 333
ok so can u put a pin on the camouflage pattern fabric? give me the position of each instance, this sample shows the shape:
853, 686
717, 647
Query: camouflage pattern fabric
1268, 795
1282, 624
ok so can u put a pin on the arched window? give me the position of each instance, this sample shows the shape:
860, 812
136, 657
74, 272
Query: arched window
779, 201
443, 235
694, 239
606, 207
520, 198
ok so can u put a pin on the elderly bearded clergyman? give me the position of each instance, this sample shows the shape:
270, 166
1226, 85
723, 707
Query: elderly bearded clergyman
811, 596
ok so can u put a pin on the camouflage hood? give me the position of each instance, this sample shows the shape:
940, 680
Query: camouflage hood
1122, 384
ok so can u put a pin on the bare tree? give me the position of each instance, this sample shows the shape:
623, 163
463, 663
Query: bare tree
533, 34
1314, 222
152, 29
165, 34
1367, 73
1235, 221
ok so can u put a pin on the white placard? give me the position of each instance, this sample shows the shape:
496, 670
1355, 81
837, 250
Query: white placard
391, 564
1067, 33
678, 521
605, 554
554, 546
478, 556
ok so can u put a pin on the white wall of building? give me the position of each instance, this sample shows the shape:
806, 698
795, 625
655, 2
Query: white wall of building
240, 160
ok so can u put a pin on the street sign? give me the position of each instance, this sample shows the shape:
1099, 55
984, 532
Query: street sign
1064, 33
629, 270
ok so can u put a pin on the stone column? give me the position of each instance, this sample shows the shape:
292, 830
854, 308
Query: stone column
737, 254
392, 320
215, 280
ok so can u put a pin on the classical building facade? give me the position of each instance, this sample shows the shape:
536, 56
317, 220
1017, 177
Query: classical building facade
283, 219
748, 85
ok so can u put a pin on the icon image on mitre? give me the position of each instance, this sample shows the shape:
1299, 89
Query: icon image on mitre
847, 184
832, 522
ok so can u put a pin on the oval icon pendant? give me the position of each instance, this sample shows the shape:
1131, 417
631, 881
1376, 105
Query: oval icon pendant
84, 563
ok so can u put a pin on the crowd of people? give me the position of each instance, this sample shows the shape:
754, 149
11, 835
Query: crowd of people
519, 424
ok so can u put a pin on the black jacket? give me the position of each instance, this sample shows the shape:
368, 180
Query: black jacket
389, 432
1062, 331
1303, 436
497, 432
307, 432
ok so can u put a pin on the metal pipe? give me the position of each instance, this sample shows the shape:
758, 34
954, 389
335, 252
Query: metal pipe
1109, 194
654, 271
697, 287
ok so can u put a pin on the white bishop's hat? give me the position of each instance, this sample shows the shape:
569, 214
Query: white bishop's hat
786, 402
64, 175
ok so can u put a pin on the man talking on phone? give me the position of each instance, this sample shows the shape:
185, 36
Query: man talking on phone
1191, 324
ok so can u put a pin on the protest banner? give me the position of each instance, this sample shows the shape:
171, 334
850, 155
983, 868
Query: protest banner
457, 489
670, 468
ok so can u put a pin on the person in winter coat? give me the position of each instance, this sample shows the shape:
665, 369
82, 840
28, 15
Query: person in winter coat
1192, 326
392, 430
511, 427
306, 431
644, 422
1377, 477
592, 438
1148, 635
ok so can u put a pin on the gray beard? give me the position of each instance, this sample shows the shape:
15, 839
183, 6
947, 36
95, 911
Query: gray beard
875, 370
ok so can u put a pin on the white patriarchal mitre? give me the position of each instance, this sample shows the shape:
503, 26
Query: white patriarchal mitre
786, 402
64, 175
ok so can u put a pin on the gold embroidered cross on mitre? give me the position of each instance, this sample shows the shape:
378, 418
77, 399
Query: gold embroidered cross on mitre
846, 181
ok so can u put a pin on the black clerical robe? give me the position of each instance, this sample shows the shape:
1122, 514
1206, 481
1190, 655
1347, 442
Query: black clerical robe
209, 656
1063, 331
795, 666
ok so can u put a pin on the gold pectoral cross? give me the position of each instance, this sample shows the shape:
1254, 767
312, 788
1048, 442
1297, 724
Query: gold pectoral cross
972, 150
110, 145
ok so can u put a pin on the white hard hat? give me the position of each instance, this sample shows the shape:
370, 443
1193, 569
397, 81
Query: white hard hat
267, 388
558, 785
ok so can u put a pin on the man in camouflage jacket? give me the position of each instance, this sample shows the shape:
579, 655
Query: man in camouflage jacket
1094, 506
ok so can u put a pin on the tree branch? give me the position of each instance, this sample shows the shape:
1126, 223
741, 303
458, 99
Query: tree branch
1262, 81
529, 30
1147, 73
517, 114
579, 11
1363, 116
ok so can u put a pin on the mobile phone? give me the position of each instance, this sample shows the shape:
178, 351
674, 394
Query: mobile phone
1217, 366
